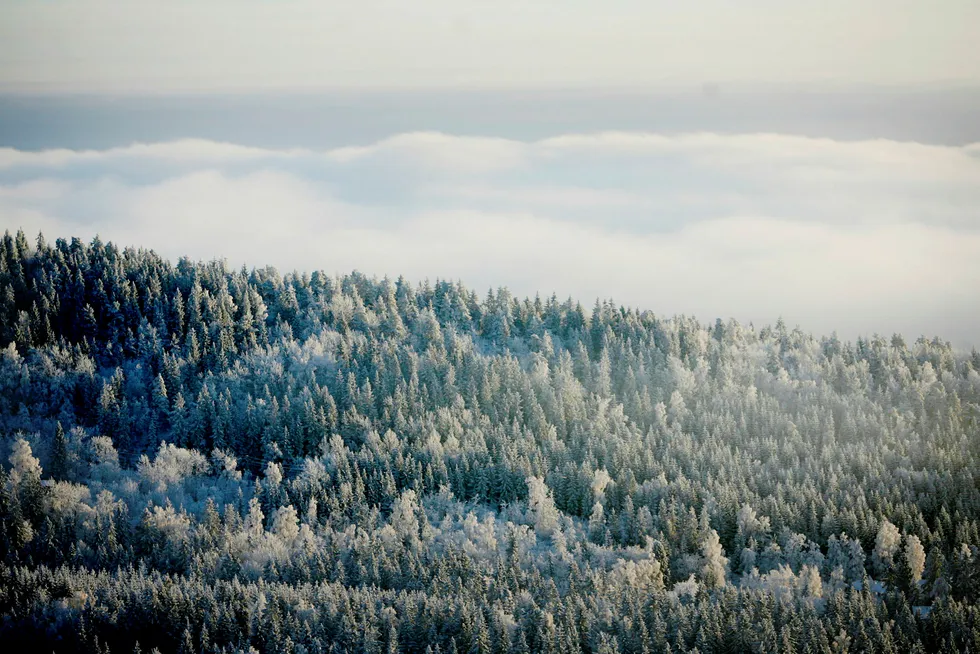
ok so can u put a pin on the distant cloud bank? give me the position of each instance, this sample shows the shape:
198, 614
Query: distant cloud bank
857, 237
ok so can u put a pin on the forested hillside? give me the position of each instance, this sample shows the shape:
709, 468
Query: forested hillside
199, 459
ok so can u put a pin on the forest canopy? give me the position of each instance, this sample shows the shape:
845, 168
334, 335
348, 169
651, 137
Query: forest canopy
202, 459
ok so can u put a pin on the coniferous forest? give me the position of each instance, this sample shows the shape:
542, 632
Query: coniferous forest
203, 459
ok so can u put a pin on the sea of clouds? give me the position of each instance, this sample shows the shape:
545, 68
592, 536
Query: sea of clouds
853, 236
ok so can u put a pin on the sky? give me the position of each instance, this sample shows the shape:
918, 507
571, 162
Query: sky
818, 162
220, 45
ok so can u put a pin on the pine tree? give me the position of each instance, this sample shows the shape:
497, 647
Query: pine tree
60, 467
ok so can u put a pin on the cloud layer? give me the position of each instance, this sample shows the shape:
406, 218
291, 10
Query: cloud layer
856, 237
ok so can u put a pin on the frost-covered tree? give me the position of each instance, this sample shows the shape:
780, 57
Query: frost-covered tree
913, 562
542, 506
714, 566
887, 544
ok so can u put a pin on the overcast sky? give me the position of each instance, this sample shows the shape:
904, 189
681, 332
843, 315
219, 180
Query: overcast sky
159, 46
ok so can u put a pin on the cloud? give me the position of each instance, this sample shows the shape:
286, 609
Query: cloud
187, 151
856, 237
439, 152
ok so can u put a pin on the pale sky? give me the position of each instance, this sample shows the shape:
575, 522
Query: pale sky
219, 45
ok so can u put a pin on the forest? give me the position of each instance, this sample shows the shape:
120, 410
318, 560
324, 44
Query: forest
201, 459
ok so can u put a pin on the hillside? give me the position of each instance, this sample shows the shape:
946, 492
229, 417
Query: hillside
200, 459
